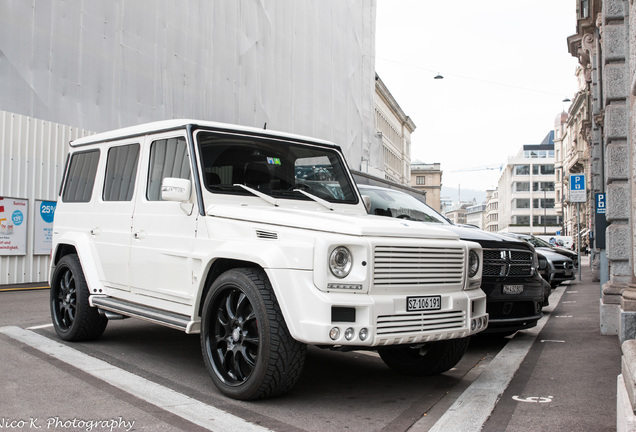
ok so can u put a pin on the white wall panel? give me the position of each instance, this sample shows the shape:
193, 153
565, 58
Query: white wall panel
305, 67
32, 155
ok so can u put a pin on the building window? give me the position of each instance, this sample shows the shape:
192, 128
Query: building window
522, 170
542, 186
521, 186
521, 220
543, 169
547, 203
522, 203
552, 220
420, 180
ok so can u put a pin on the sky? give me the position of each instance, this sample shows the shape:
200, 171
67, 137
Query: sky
506, 70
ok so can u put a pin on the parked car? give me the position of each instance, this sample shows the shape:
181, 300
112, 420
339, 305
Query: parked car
515, 290
259, 241
540, 244
560, 259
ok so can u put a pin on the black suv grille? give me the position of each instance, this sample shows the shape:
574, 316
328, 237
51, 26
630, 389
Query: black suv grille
504, 262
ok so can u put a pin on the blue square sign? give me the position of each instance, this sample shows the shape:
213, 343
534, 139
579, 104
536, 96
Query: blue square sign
578, 192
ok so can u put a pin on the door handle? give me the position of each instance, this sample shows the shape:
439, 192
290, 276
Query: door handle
139, 235
96, 231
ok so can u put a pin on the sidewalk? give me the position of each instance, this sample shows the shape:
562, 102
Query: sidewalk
567, 382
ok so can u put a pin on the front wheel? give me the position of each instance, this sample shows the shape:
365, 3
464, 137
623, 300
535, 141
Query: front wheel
425, 359
246, 346
73, 317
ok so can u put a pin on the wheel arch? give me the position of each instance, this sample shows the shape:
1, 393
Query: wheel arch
79, 245
216, 269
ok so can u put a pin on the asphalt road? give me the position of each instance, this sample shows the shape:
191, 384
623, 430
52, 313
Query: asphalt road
139, 376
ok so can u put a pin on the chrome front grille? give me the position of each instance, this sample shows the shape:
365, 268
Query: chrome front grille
505, 262
416, 266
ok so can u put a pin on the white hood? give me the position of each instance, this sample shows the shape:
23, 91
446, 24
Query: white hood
333, 222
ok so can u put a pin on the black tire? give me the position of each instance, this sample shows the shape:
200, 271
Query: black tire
425, 359
246, 346
73, 318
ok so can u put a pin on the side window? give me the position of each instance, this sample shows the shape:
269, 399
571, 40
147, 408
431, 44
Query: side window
121, 171
81, 177
168, 158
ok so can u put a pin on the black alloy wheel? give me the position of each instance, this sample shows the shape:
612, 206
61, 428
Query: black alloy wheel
246, 346
73, 317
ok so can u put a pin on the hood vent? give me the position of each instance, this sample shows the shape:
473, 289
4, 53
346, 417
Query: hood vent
266, 235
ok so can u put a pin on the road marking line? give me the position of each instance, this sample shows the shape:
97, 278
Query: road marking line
549, 340
571, 301
473, 408
39, 327
181, 405
23, 288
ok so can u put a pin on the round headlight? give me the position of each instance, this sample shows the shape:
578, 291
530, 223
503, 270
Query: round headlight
473, 263
340, 262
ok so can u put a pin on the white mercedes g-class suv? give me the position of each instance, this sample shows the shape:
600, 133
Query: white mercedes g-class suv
259, 241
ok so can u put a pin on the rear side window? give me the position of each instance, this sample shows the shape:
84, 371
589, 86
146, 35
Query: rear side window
168, 158
121, 171
81, 177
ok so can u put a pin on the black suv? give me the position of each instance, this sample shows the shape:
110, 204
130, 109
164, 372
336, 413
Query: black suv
515, 290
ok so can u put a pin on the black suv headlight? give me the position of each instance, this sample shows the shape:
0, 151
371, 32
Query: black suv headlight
473, 263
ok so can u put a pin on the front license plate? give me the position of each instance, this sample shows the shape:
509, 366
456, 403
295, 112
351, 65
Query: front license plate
512, 289
423, 303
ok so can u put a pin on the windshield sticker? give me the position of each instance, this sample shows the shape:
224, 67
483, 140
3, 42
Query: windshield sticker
273, 161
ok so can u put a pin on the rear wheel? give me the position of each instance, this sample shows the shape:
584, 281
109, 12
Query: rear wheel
246, 345
73, 318
425, 359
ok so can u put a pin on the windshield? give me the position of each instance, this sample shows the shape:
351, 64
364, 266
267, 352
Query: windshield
273, 167
537, 242
389, 202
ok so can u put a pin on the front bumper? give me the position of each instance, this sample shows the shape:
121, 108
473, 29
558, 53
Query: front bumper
311, 314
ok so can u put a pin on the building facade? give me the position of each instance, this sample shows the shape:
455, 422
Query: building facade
606, 52
572, 157
475, 215
491, 218
428, 178
526, 195
395, 129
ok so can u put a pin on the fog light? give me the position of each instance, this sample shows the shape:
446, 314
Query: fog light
364, 333
334, 333
349, 334
473, 325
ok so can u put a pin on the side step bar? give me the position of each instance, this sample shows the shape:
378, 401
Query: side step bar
169, 319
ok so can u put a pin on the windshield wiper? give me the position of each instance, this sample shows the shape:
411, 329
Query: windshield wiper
260, 194
317, 199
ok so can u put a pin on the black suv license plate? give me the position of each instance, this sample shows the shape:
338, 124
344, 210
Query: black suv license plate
423, 303
512, 289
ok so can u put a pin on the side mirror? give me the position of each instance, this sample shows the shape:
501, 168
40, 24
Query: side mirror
367, 202
176, 189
